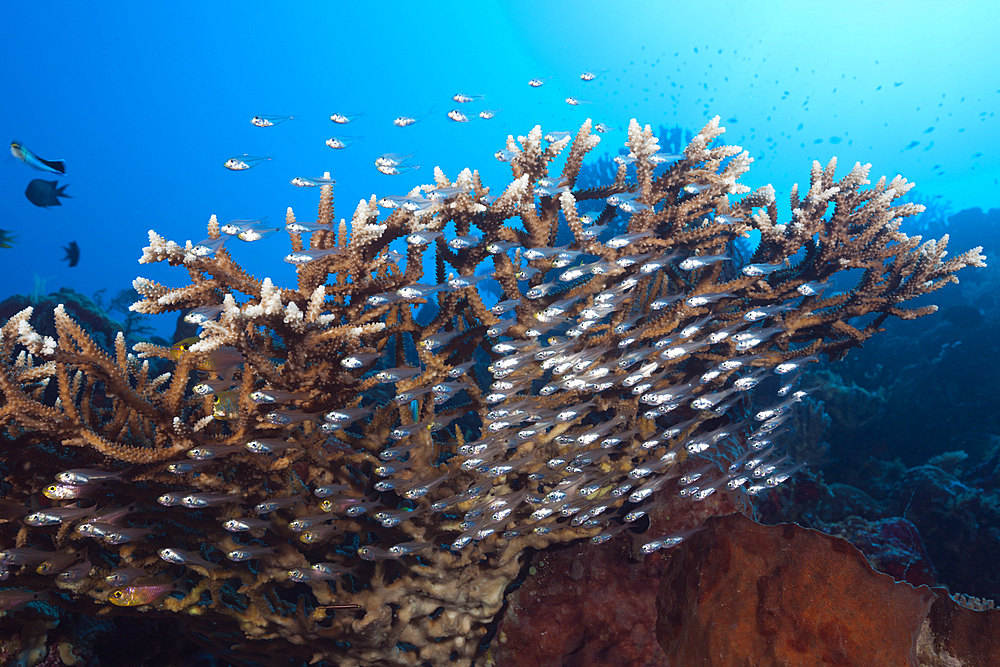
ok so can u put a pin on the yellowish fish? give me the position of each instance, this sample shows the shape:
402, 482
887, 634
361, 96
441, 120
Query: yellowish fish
181, 346
226, 405
141, 592
218, 361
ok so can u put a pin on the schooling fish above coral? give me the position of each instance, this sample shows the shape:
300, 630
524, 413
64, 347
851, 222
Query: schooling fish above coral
351, 468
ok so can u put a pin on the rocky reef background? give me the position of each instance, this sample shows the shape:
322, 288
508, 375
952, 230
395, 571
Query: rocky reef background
908, 427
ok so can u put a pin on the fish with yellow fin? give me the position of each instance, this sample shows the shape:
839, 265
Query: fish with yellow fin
6, 238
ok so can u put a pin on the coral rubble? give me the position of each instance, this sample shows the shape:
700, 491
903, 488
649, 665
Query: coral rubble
402, 440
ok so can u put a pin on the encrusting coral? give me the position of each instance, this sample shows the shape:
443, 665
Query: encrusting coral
427, 436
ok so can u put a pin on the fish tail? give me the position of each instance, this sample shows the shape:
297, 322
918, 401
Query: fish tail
60, 193
182, 586
55, 165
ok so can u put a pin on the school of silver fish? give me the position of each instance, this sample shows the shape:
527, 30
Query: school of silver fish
552, 350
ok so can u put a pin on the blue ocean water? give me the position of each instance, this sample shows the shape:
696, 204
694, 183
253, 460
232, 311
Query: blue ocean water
145, 103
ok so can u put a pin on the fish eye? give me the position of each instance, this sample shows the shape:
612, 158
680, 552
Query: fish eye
116, 594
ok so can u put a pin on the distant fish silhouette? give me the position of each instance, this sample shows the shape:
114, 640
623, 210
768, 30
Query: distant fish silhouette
72, 253
45, 193
32, 160
6, 238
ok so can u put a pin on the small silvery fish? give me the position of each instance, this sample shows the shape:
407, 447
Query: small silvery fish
269, 121
404, 121
338, 143
396, 171
81, 476
180, 557
244, 162
246, 553
345, 118
306, 256
307, 182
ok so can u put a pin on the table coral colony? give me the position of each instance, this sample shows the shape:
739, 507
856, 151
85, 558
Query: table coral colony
351, 469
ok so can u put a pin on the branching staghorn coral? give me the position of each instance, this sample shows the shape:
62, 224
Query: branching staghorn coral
351, 469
